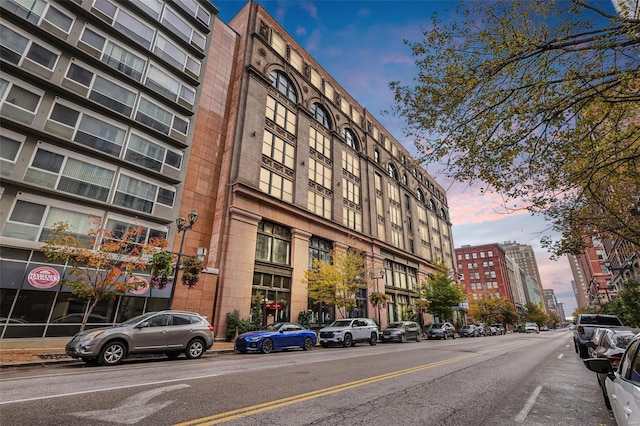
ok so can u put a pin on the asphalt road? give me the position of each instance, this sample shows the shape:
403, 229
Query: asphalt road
515, 379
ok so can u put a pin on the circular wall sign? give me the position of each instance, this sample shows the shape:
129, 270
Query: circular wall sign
143, 285
43, 277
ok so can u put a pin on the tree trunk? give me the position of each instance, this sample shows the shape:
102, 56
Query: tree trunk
87, 313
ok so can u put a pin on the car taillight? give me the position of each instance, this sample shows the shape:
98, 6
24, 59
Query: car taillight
580, 330
614, 360
211, 328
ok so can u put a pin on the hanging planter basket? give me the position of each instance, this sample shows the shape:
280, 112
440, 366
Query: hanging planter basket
192, 267
161, 269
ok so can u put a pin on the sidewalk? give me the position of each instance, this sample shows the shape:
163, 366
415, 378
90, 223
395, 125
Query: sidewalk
43, 351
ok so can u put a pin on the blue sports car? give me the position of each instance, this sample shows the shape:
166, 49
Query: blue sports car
277, 336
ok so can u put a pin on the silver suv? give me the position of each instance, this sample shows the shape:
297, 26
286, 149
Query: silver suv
169, 332
349, 331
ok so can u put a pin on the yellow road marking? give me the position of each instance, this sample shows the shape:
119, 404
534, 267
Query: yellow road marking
283, 402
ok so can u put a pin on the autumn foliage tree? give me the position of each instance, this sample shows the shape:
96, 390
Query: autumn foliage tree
494, 310
338, 281
533, 313
106, 268
539, 101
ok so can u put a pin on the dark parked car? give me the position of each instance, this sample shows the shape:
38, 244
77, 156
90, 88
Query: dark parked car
169, 332
442, 330
621, 388
469, 330
401, 331
277, 336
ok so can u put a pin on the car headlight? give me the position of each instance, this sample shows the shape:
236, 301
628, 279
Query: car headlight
93, 335
253, 339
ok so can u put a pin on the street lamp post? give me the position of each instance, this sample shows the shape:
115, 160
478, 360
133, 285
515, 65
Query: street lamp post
181, 224
376, 276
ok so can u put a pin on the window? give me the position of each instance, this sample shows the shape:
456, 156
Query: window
319, 249
320, 174
393, 172
163, 83
18, 103
112, 96
152, 8
139, 195
194, 10
276, 148
159, 118
351, 163
33, 221
319, 204
319, 143
70, 175
393, 193
119, 227
37, 11
276, 185
124, 60
419, 195
376, 156
9, 149
281, 115
16, 47
352, 219
175, 56
281, 82
134, 28
351, 191
182, 28
150, 154
350, 139
273, 243
321, 115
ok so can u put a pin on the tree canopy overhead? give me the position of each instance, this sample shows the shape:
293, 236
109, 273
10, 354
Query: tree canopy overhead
540, 102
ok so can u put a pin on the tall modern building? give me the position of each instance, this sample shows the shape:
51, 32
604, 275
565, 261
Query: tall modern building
553, 304
141, 111
98, 101
525, 257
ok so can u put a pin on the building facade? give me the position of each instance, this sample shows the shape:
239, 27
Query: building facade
525, 257
142, 111
485, 272
98, 101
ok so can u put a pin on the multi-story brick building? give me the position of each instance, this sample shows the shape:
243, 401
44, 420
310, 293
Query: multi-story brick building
280, 162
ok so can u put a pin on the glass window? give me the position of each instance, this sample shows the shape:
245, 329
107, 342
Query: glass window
273, 243
23, 100
123, 60
276, 185
65, 115
321, 115
320, 173
171, 53
176, 24
80, 75
145, 153
9, 149
59, 19
281, 82
100, 135
31, 10
350, 139
135, 194
351, 163
162, 83
393, 172
276, 148
24, 221
42, 56
320, 143
150, 7
281, 115
134, 28
93, 39
112, 95
13, 45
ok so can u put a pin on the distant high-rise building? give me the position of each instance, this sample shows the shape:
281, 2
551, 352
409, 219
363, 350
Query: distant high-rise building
525, 257
594, 278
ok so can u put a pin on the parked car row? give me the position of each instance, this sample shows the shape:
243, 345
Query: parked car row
613, 353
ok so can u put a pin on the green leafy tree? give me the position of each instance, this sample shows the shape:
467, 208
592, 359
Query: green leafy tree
338, 281
441, 290
627, 303
106, 268
540, 102
533, 313
554, 319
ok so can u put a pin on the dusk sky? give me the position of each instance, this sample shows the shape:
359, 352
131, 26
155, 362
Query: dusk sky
360, 44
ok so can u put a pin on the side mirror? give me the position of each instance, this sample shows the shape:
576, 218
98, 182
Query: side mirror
144, 324
599, 365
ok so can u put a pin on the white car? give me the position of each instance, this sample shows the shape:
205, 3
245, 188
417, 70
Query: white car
531, 327
621, 388
349, 331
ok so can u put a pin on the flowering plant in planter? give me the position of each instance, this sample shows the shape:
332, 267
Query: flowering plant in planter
377, 298
161, 268
421, 305
192, 266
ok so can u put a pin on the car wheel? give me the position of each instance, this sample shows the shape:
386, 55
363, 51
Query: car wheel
374, 339
173, 355
308, 344
195, 349
444, 336
348, 340
404, 338
454, 336
418, 337
112, 353
267, 346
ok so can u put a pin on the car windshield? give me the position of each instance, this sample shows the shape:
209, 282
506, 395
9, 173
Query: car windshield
599, 320
137, 319
531, 324
622, 340
341, 323
274, 327
437, 325
395, 325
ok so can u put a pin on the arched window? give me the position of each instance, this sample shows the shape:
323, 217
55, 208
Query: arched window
350, 139
405, 180
419, 195
321, 115
443, 214
281, 82
376, 156
393, 172
432, 204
